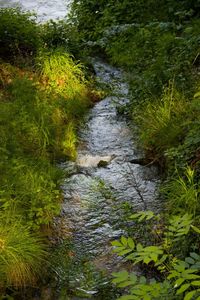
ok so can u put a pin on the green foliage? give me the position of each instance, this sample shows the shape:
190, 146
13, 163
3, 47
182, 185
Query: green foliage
184, 277
143, 215
18, 34
56, 34
177, 277
61, 75
162, 122
183, 193
22, 254
38, 122
40, 110
140, 287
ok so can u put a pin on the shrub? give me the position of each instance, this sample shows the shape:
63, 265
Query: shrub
56, 34
18, 34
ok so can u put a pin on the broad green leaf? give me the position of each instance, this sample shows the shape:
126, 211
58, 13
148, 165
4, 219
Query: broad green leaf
133, 278
123, 274
196, 283
180, 267
118, 249
172, 275
153, 249
141, 218
197, 230
147, 260
147, 297
131, 243
139, 247
125, 284
179, 282
116, 243
143, 280
189, 295
124, 252
154, 257
124, 240
128, 297
196, 95
190, 260
188, 271
191, 276
134, 216
183, 288
150, 215
195, 255
131, 256
137, 291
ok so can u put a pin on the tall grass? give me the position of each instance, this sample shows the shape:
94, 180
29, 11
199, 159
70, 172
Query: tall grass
182, 193
22, 255
162, 121
61, 75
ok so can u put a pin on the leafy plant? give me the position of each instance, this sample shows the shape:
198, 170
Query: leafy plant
177, 277
18, 34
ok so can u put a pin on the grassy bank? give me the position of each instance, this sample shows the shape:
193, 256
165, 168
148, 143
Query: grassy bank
44, 95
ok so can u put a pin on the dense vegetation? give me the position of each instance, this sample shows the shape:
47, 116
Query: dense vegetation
43, 97
158, 44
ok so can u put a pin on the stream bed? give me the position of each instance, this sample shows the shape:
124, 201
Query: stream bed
103, 181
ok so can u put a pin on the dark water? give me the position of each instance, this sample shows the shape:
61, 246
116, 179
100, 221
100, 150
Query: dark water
95, 195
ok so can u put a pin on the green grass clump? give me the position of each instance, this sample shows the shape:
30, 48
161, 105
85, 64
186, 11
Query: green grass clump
22, 255
182, 193
61, 74
162, 122
64, 81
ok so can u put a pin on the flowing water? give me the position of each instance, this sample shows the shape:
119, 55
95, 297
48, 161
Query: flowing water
45, 10
103, 181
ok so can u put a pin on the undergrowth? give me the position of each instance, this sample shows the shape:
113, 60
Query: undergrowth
43, 97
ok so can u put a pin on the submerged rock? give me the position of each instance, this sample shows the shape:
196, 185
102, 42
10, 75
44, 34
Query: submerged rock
102, 164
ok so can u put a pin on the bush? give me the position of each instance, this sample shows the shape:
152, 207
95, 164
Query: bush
56, 34
18, 34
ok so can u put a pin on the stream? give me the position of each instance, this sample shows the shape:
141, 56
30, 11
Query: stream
45, 10
103, 181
